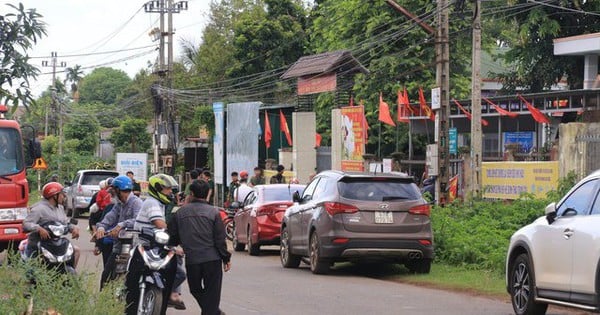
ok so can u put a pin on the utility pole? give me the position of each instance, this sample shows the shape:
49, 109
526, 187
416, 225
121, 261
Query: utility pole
53, 64
165, 7
443, 114
476, 135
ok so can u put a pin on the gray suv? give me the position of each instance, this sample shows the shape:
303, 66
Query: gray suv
358, 218
83, 187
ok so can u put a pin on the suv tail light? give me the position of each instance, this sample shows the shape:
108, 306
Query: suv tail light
79, 189
421, 209
334, 208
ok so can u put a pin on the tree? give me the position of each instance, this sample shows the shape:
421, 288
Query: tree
74, 75
85, 130
529, 33
131, 136
103, 85
19, 31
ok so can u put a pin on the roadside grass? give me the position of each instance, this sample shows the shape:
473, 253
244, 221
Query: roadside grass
442, 276
34, 196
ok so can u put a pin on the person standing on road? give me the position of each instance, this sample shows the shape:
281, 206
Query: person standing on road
121, 216
235, 183
48, 210
258, 178
152, 215
198, 228
243, 190
207, 176
279, 178
137, 190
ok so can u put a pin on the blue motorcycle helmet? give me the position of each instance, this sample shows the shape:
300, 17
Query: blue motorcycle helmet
122, 183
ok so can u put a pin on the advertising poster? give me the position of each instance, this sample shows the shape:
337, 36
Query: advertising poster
353, 138
135, 162
242, 136
525, 139
508, 180
218, 142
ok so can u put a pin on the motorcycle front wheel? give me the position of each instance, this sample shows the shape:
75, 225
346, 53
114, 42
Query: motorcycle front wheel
229, 230
152, 301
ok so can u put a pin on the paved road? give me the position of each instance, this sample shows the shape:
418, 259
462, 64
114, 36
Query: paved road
258, 285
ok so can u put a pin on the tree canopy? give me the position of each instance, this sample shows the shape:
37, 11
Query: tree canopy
103, 85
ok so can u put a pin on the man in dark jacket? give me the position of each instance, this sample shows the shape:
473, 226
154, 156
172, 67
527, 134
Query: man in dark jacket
198, 228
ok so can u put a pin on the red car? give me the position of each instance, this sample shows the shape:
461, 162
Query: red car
258, 222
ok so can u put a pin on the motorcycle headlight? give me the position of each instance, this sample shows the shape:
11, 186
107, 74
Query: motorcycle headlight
161, 237
57, 230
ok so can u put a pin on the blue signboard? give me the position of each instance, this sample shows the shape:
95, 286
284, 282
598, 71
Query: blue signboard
526, 140
453, 139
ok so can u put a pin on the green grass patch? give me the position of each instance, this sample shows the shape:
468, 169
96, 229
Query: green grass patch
454, 278
34, 196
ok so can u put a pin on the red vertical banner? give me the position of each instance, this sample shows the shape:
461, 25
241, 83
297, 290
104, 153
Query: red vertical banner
268, 134
353, 138
284, 128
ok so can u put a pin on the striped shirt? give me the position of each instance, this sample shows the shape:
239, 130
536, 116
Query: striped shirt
152, 209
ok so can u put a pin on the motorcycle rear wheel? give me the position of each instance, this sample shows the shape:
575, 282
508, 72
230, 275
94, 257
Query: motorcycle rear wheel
152, 301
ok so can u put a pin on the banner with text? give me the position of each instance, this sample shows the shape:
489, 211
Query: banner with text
353, 138
508, 180
218, 142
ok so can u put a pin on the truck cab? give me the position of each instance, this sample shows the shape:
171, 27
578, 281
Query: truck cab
14, 189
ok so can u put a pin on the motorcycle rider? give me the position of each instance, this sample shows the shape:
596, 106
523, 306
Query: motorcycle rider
121, 216
152, 215
50, 209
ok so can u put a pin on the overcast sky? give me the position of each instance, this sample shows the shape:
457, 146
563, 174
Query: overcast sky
78, 27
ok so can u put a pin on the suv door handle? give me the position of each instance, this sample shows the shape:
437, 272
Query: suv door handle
568, 232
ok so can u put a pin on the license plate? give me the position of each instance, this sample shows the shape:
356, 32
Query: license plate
384, 217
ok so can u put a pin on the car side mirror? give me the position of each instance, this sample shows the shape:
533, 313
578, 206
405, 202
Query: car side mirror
551, 212
296, 197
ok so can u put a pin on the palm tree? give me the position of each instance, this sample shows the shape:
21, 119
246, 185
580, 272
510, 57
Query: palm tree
74, 75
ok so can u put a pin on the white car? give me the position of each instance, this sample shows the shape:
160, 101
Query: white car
555, 259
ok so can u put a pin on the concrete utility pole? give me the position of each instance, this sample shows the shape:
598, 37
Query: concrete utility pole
476, 135
53, 64
165, 7
443, 114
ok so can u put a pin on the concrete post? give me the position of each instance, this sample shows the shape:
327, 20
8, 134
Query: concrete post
336, 139
590, 71
304, 153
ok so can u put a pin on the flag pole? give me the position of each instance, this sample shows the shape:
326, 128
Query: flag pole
379, 143
397, 130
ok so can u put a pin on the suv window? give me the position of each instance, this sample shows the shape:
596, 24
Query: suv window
310, 189
378, 189
580, 199
95, 178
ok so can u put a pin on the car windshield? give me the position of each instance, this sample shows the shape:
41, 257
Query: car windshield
11, 152
283, 193
378, 189
96, 178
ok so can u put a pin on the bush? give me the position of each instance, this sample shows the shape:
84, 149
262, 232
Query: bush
65, 294
475, 234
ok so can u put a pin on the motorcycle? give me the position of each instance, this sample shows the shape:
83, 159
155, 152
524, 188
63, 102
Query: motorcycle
156, 256
227, 215
57, 252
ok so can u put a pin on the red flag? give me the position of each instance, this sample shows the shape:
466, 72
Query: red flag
469, 116
384, 112
318, 139
500, 110
536, 113
402, 111
284, 128
428, 112
268, 134
365, 123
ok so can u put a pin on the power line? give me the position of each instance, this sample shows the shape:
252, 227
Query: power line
96, 53
563, 8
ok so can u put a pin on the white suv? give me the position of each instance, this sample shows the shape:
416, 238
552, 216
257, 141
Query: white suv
555, 260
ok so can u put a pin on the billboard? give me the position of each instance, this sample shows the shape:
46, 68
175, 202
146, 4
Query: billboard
508, 180
353, 138
317, 84
218, 142
135, 162
525, 139
242, 136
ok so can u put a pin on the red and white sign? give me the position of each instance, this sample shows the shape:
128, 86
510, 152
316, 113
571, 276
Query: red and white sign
317, 84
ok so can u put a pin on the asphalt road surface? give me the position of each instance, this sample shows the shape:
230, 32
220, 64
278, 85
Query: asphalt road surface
259, 285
